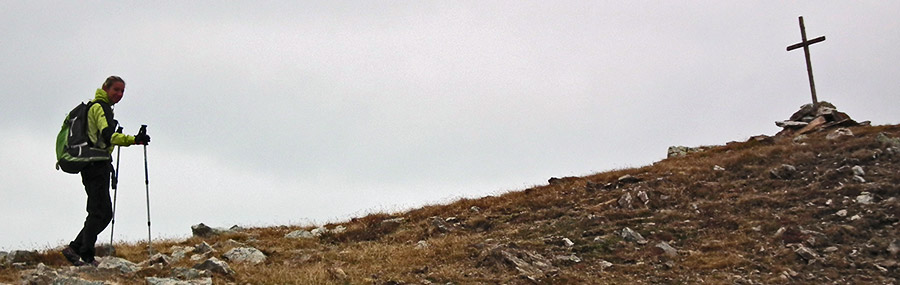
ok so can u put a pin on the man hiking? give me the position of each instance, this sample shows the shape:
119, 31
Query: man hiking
96, 176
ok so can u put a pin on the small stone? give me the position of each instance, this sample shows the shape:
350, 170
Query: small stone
807, 254
338, 229
299, 234
643, 196
338, 274
667, 249
855, 217
605, 264
865, 198
785, 171
422, 244
394, 221
568, 259
894, 247
475, 209
567, 242
830, 249
842, 132
625, 201
858, 170
859, 179
718, 168
317, 232
631, 235
188, 273
841, 213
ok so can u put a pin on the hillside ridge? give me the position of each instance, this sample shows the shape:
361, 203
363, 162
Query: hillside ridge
816, 208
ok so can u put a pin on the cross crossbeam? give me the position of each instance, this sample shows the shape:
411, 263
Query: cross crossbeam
805, 45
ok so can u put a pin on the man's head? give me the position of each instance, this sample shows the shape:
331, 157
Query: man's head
115, 88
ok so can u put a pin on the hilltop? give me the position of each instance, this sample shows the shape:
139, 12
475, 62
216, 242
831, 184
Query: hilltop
816, 208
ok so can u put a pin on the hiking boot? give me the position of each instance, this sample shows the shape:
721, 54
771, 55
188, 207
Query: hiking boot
72, 256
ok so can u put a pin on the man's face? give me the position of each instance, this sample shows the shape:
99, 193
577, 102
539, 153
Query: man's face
115, 92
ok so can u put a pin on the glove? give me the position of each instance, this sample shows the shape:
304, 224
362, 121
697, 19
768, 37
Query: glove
143, 139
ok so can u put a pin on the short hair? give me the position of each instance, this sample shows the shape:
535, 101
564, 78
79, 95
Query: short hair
111, 80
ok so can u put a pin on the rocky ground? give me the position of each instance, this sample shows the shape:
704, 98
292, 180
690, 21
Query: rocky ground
819, 207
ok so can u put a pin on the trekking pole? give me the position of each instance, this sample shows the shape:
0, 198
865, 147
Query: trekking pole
115, 187
143, 131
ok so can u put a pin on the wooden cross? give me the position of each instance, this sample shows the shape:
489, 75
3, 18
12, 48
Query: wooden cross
805, 45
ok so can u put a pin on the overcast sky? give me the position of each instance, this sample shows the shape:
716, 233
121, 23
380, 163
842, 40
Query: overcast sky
299, 112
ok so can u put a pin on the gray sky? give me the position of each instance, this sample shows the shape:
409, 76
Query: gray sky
289, 112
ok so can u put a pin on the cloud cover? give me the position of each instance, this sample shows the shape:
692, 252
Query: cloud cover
279, 112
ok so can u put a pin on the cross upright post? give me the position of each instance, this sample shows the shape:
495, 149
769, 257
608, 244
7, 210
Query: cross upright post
805, 45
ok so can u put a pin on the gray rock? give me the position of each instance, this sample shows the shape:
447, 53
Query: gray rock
676, 151
785, 171
628, 179
422, 244
317, 232
170, 281
179, 252
859, 179
718, 168
299, 234
633, 236
884, 139
245, 255
202, 248
215, 265
475, 209
625, 201
189, 273
159, 258
605, 264
568, 259
643, 196
440, 225
894, 248
807, 254
202, 230
402, 220
841, 213
667, 249
858, 170
529, 264
791, 124
338, 229
22, 256
41, 274
119, 264
865, 198
70, 280
3, 256
842, 132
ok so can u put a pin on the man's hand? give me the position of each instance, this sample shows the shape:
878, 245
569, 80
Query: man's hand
143, 139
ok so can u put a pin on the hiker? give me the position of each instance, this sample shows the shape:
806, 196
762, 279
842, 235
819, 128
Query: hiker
96, 175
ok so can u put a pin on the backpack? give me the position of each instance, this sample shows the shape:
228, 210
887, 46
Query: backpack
74, 149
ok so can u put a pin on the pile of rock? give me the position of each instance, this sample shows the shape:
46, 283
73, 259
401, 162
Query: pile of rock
812, 118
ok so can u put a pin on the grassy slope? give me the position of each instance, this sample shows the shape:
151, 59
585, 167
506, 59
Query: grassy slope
723, 224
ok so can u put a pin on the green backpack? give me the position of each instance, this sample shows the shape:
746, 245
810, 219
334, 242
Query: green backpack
74, 149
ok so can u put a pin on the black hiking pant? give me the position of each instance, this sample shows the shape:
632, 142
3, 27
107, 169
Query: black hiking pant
95, 178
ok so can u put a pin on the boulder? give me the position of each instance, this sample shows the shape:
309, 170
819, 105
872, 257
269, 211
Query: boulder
202, 248
215, 265
245, 255
159, 258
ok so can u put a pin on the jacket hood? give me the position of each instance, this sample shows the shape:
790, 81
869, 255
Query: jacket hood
101, 95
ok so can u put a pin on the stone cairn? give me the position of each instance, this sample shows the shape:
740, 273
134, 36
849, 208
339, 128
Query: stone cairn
812, 118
